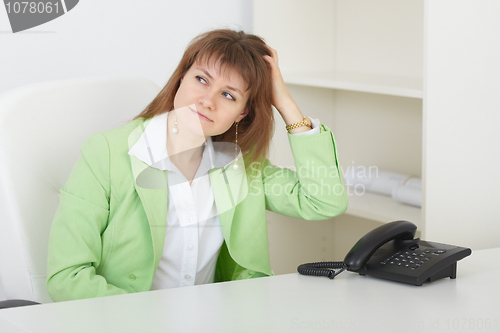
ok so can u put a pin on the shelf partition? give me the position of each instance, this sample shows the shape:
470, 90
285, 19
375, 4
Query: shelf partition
362, 82
382, 209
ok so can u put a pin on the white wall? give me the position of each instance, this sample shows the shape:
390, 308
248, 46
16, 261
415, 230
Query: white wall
112, 37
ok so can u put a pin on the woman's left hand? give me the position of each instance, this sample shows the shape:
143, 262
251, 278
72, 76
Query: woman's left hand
282, 99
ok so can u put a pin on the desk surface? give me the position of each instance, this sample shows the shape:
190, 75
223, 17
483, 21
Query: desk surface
286, 303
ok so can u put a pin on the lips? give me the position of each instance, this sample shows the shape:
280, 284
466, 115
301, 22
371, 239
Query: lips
201, 115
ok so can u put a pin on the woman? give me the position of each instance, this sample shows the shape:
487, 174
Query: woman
178, 196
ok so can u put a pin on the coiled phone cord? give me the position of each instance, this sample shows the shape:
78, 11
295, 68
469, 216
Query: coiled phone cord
324, 268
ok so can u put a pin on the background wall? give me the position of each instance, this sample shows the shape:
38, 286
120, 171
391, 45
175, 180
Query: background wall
112, 37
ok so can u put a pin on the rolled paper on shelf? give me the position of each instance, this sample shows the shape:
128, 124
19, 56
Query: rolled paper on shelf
403, 188
356, 175
408, 195
386, 182
373, 179
414, 182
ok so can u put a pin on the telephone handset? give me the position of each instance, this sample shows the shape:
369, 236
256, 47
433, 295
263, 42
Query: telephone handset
390, 252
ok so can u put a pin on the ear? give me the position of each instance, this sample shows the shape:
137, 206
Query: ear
242, 115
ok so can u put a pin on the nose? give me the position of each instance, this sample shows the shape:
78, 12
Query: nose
207, 100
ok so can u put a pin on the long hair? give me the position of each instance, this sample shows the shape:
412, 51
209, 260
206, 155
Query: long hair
244, 53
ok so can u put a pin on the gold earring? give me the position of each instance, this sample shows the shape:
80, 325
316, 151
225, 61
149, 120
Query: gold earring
235, 165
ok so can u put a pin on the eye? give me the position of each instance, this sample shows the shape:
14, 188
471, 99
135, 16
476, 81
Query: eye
202, 80
229, 96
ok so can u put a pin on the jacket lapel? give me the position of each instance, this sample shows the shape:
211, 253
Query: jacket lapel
244, 232
229, 186
151, 186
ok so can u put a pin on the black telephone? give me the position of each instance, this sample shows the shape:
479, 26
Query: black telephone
390, 252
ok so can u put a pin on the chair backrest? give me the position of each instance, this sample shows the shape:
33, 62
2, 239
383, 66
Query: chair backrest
42, 127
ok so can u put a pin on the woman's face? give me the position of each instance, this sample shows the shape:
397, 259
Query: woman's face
215, 100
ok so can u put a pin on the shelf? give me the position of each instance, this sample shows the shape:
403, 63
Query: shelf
382, 209
370, 83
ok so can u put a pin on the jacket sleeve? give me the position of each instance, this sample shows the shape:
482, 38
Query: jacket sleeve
74, 249
315, 190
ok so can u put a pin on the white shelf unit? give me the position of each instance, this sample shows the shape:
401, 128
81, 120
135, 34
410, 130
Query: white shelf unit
371, 206
407, 86
318, 62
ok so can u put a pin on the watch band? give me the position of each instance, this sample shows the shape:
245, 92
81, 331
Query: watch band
304, 122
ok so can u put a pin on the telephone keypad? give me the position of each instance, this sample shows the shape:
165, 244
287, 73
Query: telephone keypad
412, 260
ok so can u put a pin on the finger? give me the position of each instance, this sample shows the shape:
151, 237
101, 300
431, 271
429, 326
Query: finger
272, 63
269, 59
274, 53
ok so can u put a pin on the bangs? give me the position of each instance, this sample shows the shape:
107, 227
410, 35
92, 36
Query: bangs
226, 58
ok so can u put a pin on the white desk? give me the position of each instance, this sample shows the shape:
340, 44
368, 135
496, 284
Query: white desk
286, 303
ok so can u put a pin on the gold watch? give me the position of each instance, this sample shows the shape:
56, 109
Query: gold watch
304, 122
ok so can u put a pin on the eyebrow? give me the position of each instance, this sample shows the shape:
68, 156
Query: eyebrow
207, 73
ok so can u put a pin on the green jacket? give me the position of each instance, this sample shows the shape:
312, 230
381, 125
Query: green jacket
108, 233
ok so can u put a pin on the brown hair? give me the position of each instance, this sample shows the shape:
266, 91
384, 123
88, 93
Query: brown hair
231, 50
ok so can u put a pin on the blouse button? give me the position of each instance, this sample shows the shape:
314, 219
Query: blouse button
132, 277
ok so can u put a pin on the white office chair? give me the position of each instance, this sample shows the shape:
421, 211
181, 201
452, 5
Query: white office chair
42, 127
